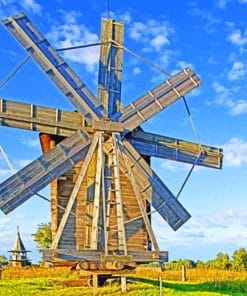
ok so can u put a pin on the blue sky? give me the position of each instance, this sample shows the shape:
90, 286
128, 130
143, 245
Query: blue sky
209, 36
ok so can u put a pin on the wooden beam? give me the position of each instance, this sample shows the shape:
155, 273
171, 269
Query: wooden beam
140, 201
157, 99
75, 191
110, 65
107, 126
176, 149
118, 195
41, 119
104, 209
97, 193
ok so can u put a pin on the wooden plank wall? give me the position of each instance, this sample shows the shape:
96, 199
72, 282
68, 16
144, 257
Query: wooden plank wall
77, 232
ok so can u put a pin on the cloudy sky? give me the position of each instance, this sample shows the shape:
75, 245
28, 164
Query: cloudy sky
209, 36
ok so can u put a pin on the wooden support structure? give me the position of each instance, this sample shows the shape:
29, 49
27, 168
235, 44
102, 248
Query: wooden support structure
118, 199
139, 199
75, 191
97, 195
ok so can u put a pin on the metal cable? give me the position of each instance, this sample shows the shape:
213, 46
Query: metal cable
7, 160
11, 75
188, 175
193, 125
145, 61
82, 46
108, 8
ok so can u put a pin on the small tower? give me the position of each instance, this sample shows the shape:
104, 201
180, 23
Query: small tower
18, 257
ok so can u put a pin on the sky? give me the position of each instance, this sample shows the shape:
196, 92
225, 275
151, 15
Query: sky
208, 36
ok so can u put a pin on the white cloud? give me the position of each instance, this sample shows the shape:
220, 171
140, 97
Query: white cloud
70, 33
173, 166
228, 227
206, 15
239, 107
237, 71
33, 143
136, 71
6, 2
225, 98
158, 41
21, 163
4, 221
181, 65
4, 172
14, 6
153, 34
222, 3
195, 92
31, 6
235, 153
238, 38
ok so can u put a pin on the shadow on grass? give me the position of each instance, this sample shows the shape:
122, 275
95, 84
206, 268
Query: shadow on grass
234, 287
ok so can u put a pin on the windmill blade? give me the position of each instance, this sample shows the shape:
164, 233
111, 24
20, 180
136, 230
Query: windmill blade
110, 65
54, 66
157, 99
40, 119
176, 149
153, 189
35, 176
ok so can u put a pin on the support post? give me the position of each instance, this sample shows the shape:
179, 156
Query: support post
123, 283
160, 282
97, 195
95, 283
184, 278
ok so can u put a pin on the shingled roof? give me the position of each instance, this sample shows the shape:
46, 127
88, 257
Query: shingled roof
18, 245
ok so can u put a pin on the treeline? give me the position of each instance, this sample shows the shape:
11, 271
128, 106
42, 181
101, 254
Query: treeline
237, 262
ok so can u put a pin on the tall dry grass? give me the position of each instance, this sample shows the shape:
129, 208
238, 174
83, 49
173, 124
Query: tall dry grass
198, 275
34, 272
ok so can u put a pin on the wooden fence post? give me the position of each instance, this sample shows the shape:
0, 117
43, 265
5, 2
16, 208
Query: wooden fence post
184, 279
123, 283
161, 288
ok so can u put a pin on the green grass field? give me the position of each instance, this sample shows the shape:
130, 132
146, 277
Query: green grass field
137, 286
37, 281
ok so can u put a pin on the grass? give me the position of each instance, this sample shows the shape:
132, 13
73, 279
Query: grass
36, 282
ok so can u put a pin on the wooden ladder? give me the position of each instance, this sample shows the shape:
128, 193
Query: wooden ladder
114, 197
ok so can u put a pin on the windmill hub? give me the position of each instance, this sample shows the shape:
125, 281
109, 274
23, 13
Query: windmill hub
107, 126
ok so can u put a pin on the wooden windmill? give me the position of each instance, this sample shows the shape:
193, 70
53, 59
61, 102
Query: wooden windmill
97, 158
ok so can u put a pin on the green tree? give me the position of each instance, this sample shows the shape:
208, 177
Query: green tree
200, 264
239, 259
43, 236
222, 261
3, 258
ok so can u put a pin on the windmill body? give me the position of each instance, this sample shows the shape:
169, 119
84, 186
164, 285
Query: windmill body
98, 158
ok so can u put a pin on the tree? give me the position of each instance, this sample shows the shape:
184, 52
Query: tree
222, 261
43, 236
239, 259
3, 258
200, 264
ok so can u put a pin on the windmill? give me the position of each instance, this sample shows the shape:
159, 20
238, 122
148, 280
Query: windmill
97, 158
